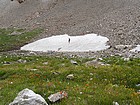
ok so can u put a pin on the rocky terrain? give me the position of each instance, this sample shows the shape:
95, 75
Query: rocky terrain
118, 20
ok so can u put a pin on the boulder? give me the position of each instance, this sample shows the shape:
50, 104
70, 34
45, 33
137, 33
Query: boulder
57, 96
28, 97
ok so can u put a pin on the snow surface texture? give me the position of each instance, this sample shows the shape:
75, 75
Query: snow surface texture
137, 49
66, 43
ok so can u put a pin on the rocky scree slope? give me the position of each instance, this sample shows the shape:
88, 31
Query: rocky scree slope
118, 20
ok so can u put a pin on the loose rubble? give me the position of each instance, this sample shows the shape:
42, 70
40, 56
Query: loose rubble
121, 47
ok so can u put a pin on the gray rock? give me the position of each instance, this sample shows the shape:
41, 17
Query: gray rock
28, 97
121, 47
6, 63
22, 61
138, 85
74, 62
126, 59
96, 63
56, 73
15, 33
115, 103
70, 76
32, 53
45, 63
57, 96
33, 69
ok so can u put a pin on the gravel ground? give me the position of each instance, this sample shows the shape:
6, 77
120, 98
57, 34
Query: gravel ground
119, 20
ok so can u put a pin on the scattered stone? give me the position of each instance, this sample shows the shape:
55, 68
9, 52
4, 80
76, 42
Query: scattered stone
6, 63
115, 85
33, 69
22, 61
138, 85
50, 52
115, 103
122, 47
63, 64
57, 96
56, 73
100, 59
81, 92
95, 63
91, 79
45, 63
32, 53
90, 73
38, 23
74, 62
28, 97
126, 59
70, 76
37, 14
15, 33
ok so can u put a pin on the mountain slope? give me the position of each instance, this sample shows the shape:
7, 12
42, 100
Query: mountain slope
118, 20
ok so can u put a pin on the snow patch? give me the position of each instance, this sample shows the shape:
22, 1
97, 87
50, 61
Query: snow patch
136, 49
62, 43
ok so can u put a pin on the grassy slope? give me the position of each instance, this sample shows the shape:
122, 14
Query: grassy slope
98, 86
91, 85
12, 42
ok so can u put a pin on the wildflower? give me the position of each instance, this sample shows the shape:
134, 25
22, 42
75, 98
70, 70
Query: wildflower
37, 75
61, 92
87, 84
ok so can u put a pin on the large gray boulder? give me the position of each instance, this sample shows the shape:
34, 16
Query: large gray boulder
28, 97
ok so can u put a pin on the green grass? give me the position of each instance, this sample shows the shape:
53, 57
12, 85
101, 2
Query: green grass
13, 42
90, 86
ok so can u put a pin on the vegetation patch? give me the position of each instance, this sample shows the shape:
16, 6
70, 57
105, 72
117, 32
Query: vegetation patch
13, 39
101, 85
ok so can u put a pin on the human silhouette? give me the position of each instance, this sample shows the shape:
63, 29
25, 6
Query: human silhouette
69, 40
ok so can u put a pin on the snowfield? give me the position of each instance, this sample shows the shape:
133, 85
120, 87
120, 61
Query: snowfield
137, 49
66, 43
